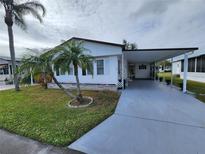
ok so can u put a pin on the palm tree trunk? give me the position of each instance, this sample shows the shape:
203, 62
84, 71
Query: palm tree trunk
79, 95
45, 81
61, 87
13, 59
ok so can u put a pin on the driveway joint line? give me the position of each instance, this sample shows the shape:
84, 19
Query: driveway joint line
162, 121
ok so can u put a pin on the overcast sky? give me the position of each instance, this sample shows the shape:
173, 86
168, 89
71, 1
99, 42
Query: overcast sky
149, 23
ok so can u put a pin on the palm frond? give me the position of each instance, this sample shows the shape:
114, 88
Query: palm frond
19, 20
30, 8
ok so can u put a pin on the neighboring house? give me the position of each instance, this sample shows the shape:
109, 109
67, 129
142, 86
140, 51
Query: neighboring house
196, 66
111, 60
6, 68
165, 68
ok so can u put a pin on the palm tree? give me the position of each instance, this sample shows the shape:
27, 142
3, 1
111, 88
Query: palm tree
36, 64
14, 13
72, 53
128, 45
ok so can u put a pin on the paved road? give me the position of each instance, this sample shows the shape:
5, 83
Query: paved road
150, 118
14, 144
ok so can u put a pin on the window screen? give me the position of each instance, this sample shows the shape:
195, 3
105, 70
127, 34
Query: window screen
200, 64
191, 65
100, 67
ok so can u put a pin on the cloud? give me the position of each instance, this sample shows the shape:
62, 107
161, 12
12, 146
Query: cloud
149, 23
154, 7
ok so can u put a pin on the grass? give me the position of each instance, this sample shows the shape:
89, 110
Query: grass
193, 86
42, 114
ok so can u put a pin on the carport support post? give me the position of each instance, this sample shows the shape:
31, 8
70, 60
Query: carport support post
185, 73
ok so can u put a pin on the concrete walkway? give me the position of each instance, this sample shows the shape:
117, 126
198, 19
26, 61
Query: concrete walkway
5, 87
151, 118
14, 144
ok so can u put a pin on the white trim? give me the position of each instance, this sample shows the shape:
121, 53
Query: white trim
195, 69
185, 73
123, 71
31, 76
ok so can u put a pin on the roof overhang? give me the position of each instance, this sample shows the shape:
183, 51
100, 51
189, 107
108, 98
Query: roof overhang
96, 41
154, 55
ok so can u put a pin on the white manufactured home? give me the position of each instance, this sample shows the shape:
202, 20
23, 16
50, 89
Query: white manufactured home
114, 67
196, 66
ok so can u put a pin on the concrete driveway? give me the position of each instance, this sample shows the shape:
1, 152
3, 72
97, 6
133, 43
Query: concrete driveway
150, 118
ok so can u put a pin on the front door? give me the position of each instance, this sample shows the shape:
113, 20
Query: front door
131, 71
142, 71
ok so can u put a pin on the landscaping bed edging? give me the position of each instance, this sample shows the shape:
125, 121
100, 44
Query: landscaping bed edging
80, 106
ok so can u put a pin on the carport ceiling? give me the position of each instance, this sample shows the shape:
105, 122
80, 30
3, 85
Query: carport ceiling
154, 55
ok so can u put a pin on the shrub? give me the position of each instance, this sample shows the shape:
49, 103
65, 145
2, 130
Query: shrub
156, 78
168, 81
176, 75
39, 78
26, 80
160, 79
181, 86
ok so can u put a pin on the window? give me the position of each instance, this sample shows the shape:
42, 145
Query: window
142, 67
83, 71
119, 67
90, 70
100, 67
203, 63
182, 66
1, 71
200, 64
4, 70
57, 71
191, 65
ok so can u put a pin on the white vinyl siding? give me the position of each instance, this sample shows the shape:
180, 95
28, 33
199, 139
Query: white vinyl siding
109, 70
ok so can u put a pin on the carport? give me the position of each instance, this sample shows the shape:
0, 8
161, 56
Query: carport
140, 63
150, 118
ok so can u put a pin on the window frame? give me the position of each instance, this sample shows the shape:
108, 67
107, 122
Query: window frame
101, 67
200, 66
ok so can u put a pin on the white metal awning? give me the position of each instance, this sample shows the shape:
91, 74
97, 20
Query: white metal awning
154, 55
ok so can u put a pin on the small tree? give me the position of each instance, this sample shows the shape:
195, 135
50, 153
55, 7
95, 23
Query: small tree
128, 45
72, 53
37, 64
14, 13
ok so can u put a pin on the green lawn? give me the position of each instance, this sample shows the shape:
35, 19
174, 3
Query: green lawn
42, 114
193, 86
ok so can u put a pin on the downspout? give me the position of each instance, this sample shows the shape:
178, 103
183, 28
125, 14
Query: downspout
185, 71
